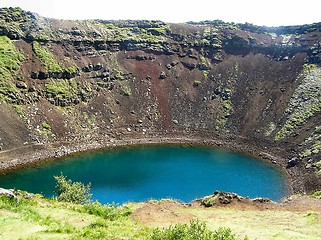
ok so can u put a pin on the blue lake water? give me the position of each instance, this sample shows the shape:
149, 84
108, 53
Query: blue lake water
153, 172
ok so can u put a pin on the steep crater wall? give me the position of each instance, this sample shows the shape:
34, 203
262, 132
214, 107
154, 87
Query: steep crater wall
71, 83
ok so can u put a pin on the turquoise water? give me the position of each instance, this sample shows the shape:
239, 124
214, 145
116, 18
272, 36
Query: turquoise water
155, 172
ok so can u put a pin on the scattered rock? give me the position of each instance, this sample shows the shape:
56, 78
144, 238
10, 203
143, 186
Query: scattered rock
162, 75
261, 200
140, 121
174, 63
8, 193
175, 121
141, 57
218, 91
308, 166
97, 67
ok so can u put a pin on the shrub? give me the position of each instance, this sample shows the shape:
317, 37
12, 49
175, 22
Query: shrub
46, 126
317, 195
69, 191
195, 230
197, 83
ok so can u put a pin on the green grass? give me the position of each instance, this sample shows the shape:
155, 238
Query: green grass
46, 57
62, 90
267, 224
20, 111
317, 194
10, 62
40, 218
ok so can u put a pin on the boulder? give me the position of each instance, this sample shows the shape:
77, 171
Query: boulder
42, 75
34, 75
189, 66
218, 90
7, 192
293, 162
88, 68
220, 198
202, 67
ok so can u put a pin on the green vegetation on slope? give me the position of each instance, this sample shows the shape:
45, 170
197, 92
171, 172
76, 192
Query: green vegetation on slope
304, 103
46, 57
40, 218
10, 61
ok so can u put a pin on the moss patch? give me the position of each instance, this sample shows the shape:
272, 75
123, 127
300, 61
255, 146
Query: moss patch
10, 62
46, 57
304, 103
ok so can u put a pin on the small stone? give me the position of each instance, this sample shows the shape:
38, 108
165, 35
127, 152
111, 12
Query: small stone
21, 85
140, 121
175, 121
308, 166
129, 129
